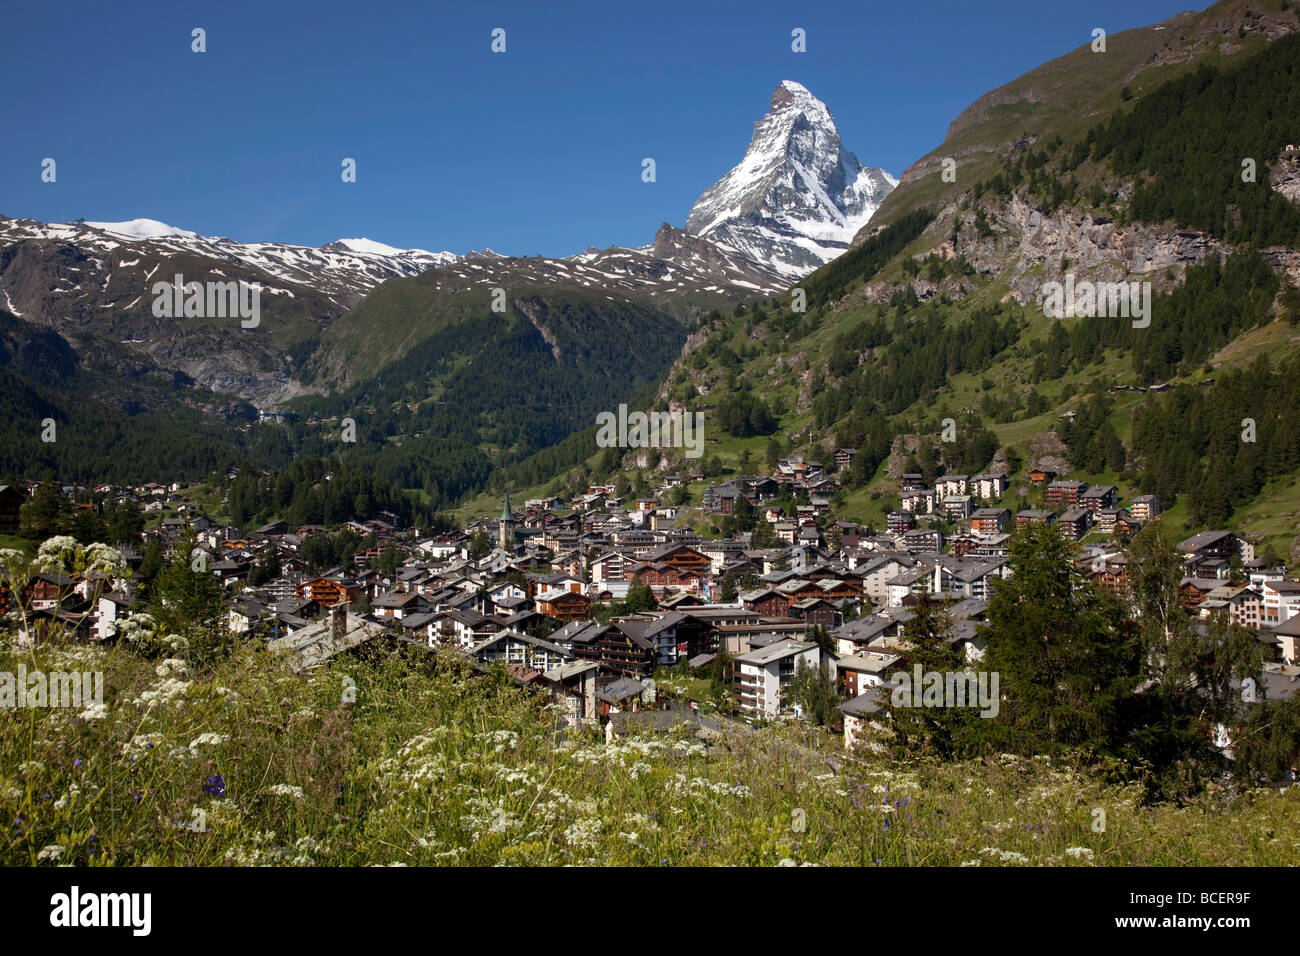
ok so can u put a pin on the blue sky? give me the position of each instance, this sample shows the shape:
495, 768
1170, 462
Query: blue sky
536, 150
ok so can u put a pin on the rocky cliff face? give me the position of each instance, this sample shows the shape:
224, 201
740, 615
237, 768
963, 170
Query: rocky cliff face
1031, 247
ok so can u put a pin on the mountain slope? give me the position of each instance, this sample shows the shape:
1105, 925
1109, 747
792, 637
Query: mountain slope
1072, 93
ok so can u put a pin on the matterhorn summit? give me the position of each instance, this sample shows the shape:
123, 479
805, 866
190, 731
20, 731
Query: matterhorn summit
798, 197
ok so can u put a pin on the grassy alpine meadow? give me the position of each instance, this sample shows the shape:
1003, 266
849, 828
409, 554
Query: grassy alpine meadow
411, 759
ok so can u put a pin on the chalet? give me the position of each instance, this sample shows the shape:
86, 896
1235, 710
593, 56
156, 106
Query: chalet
660, 631
51, 590
911, 482
681, 557
110, 609
1213, 549
786, 531
664, 577
844, 458
900, 521
1193, 591
396, 605
1075, 522
1066, 493
230, 572
1241, 602
512, 647
846, 533
610, 647
623, 695
1034, 516
315, 644
720, 499
1099, 497
864, 669
326, 592
610, 566
768, 602
990, 520
561, 604
923, 540
957, 507
573, 687
965, 577
1041, 476
1111, 574
876, 572
1113, 521
538, 583
1145, 508
992, 546
815, 610
909, 584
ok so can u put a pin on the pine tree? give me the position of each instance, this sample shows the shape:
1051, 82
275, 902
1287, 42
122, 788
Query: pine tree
1063, 653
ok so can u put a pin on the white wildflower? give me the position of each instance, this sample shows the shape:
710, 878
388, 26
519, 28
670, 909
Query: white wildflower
171, 667
51, 852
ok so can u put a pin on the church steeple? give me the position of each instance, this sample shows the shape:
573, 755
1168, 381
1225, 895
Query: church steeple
506, 527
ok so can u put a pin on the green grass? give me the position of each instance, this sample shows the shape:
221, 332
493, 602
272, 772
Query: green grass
17, 543
432, 766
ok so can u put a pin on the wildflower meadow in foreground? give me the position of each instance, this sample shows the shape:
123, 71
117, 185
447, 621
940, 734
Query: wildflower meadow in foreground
245, 763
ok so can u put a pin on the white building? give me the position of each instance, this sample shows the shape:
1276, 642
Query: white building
762, 676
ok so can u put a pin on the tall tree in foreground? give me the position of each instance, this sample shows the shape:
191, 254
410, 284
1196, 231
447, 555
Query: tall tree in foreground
924, 730
1064, 653
1192, 672
813, 689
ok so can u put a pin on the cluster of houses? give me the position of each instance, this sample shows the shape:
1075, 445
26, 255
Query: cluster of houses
1077, 508
530, 603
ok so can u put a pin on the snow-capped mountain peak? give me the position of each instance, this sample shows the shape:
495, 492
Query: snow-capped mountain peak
369, 247
142, 229
798, 197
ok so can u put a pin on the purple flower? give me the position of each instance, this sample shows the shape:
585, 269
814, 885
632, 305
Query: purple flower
76, 763
216, 786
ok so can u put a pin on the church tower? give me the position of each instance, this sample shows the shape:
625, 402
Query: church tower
506, 528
